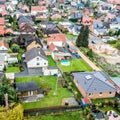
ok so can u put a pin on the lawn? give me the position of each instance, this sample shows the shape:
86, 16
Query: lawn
51, 99
75, 65
51, 62
71, 36
12, 69
76, 115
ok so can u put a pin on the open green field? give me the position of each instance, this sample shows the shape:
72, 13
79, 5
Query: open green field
12, 69
51, 61
76, 115
75, 65
47, 82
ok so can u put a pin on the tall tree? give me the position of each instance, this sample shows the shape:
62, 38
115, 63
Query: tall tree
82, 39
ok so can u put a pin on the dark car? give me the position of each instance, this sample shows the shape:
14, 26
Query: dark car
77, 55
115, 115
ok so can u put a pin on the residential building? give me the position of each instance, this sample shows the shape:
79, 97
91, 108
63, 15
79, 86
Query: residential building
94, 84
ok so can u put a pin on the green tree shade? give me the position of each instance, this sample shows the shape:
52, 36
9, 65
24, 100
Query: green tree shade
19, 57
82, 39
90, 53
15, 48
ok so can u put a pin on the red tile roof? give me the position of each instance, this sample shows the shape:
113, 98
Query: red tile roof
52, 46
1, 21
4, 43
56, 38
38, 8
8, 31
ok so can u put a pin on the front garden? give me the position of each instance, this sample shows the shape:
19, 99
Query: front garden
75, 65
50, 85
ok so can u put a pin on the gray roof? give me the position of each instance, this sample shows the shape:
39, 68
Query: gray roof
34, 52
26, 86
116, 80
94, 81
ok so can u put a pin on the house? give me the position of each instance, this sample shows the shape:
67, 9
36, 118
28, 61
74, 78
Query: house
57, 40
59, 53
56, 16
26, 89
94, 84
86, 21
8, 31
23, 20
28, 40
99, 28
2, 26
115, 2
36, 58
27, 28
4, 47
10, 76
74, 29
33, 44
116, 83
49, 28
12, 58
38, 9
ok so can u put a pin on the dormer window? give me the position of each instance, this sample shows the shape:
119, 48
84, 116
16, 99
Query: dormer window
37, 59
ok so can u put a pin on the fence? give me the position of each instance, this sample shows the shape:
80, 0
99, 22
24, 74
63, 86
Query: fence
46, 110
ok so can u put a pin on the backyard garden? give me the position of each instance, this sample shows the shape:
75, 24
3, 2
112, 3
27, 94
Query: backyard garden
54, 91
75, 65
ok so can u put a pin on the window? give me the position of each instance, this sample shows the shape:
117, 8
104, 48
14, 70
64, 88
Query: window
91, 94
100, 93
44, 63
37, 59
38, 63
110, 93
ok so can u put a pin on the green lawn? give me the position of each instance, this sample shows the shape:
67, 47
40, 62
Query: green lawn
76, 115
71, 36
51, 62
75, 65
12, 69
51, 99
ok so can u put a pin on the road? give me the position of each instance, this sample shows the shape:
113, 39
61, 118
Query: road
87, 60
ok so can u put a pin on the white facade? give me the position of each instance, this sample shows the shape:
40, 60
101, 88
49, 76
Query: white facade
3, 48
37, 62
50, 71
59, 43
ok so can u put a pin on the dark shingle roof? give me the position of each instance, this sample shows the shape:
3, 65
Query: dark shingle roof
34, 52
26, 86
94, 81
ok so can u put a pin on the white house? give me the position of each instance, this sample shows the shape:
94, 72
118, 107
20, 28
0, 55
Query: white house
4, 47
36, 58
57, 40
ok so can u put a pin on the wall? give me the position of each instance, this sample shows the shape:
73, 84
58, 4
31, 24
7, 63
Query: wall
33, 63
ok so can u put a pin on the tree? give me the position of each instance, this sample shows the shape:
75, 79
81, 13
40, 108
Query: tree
6, 87
82, 39
15, 48
15, 113
90, 53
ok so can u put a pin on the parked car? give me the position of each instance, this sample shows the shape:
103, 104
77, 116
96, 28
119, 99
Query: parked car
77, 55
115, 115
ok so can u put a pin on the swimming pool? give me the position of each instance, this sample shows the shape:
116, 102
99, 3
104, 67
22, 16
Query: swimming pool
65, 62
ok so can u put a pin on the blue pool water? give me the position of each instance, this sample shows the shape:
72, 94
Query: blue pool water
65, 62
